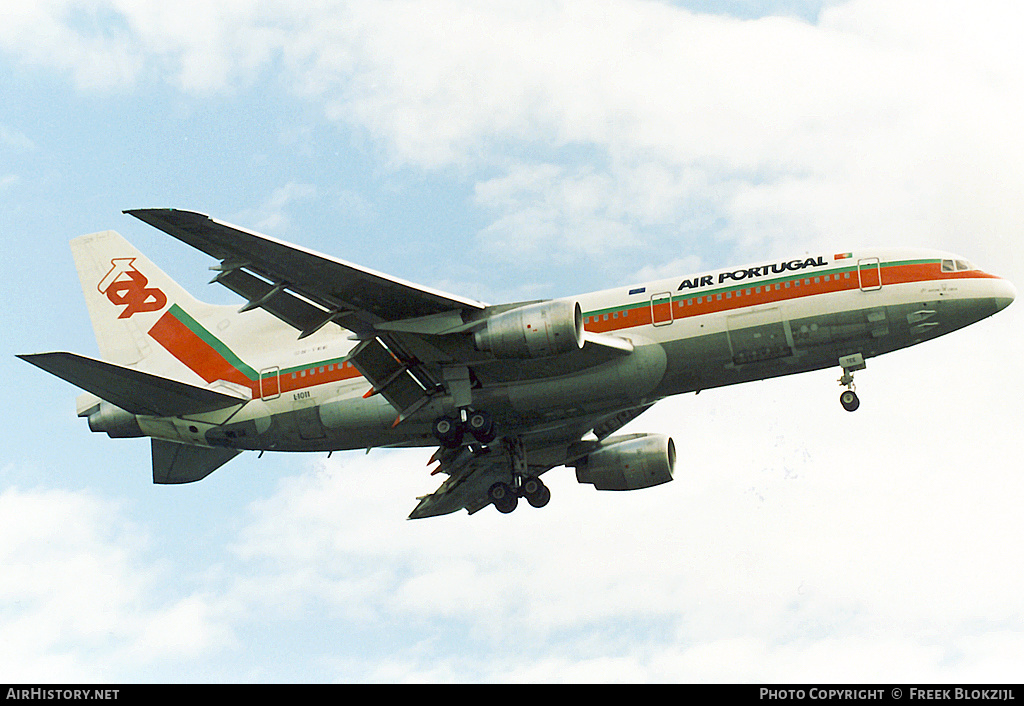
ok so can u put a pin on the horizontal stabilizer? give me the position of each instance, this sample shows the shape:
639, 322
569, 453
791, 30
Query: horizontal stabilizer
132, 390
181, 463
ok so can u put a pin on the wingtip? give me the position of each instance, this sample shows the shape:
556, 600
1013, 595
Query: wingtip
142, 213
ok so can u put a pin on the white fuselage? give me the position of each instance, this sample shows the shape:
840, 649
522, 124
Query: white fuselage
689, 333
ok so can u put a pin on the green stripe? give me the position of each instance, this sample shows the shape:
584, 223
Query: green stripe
214, 342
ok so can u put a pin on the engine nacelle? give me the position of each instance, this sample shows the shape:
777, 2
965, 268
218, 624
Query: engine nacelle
629, 462
533, 331
118, 423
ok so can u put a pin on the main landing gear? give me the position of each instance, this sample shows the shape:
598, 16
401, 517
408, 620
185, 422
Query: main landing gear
450, 431
850, 364
505, 497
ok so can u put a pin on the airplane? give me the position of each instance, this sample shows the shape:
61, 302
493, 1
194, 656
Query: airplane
325, 355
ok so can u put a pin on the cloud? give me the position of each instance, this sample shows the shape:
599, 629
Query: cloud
789, 133
86, 599
589, 126
876, 539
635, 139
822, 547
15, 139
272, 215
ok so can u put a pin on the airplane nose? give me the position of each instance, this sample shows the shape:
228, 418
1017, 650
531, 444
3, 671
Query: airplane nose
1005, 294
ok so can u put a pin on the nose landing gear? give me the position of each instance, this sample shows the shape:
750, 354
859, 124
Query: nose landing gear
849, 400
850, 364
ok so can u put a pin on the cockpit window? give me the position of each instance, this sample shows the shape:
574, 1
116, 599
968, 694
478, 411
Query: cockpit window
956, 266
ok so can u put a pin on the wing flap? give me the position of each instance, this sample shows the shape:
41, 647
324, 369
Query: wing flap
274, 298
132, 390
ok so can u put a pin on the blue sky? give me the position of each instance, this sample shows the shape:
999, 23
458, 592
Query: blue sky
505, 151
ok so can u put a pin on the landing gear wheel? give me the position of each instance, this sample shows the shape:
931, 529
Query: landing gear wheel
448, 431
504, 498
481, 426
850, 364
849, 400
535, 492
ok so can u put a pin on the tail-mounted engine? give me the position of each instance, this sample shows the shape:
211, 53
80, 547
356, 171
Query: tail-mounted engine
533, 331
628, 462
110, 418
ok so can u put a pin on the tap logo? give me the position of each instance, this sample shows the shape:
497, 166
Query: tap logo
126, 286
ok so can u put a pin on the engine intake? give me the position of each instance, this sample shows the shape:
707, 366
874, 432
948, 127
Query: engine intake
533, 331
629, 462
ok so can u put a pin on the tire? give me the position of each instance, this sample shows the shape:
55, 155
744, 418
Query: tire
503, 498
849, 400
448, 431
541, 498
535, 492
481, 426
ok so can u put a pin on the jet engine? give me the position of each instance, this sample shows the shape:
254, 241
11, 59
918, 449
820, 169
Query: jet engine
629, 462
110, 418
533, 331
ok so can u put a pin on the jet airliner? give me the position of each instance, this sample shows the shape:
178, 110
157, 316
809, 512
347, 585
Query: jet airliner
325, 355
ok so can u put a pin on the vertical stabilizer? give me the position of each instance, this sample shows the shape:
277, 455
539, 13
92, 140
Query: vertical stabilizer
137, 310
125, 293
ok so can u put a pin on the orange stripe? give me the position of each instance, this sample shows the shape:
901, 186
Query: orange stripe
685, 305
196, 353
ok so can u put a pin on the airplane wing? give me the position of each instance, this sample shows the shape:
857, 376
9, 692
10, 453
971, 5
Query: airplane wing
303, 288
404, 329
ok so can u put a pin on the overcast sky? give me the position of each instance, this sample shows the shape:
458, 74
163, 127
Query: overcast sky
502, 151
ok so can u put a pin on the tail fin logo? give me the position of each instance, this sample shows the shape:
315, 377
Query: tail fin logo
126, 286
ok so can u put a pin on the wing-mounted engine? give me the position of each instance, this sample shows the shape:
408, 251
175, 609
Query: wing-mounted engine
628, 462
533, 331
